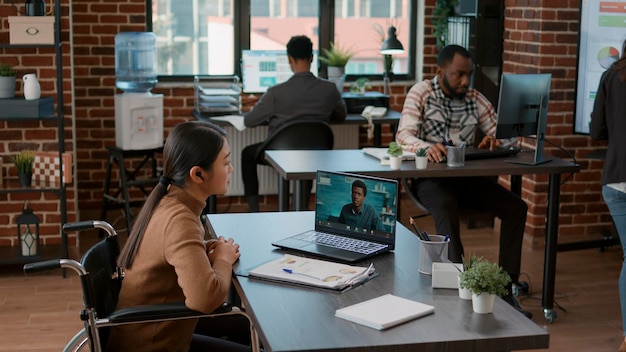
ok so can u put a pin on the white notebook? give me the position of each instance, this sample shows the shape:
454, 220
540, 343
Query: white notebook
385, 311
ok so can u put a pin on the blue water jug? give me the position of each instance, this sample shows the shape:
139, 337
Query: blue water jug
135, 61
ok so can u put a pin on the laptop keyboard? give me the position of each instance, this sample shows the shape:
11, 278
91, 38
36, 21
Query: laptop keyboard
341, 242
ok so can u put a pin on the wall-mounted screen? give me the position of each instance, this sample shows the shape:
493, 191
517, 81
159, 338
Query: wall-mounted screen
601, 34
261, 69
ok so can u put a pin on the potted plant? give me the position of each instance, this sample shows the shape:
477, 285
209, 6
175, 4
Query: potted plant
24, 163
443, 10
360, 85
421, 158
464, 292
7, 81
336, 59
395, 155
485, 280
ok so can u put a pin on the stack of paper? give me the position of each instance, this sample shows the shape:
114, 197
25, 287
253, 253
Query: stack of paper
385, 311
313, 272
382, 155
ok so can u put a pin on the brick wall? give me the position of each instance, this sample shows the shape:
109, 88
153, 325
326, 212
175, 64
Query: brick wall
540, 36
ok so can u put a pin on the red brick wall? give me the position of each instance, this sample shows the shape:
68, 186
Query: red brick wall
540, 36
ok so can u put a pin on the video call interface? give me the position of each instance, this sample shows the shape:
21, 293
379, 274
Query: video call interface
262, 69
335, 191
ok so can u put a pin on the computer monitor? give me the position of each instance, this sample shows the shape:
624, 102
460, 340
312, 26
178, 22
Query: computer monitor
523, 110
261, 69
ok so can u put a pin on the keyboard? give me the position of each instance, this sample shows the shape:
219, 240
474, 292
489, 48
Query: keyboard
341, 242
472, 153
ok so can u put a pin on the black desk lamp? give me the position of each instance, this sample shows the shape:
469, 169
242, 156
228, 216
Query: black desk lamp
390, 46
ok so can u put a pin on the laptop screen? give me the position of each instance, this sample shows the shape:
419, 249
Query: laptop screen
356, 205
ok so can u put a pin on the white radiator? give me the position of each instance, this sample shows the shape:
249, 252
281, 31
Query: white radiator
346, 137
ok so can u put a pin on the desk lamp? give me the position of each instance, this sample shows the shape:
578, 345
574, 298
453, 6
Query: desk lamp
390, 46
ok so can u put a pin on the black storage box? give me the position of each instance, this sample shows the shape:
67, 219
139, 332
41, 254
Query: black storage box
20, 107
356, 102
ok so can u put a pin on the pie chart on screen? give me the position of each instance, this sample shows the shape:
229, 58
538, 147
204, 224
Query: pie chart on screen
607, 56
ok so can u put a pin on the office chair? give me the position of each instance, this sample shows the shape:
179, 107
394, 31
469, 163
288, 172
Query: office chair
101, 281
299, 135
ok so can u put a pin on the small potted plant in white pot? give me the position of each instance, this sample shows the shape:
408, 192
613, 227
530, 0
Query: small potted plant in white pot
421, 158
464, 292
485, 280
395, 155
24, 163
336, 58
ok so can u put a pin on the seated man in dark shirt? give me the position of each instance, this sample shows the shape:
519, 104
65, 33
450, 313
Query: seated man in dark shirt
303, 96
359, 214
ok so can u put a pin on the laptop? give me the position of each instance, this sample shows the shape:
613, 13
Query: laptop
341, 232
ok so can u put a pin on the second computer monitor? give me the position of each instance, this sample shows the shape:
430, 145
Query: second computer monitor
261, 69
523, 109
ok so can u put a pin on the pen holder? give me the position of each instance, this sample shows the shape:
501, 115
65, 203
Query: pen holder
456, 155
433, 251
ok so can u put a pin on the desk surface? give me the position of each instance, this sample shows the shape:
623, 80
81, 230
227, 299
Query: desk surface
292, 318
303, 164
392, 117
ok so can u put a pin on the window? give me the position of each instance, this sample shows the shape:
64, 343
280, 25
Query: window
205, 37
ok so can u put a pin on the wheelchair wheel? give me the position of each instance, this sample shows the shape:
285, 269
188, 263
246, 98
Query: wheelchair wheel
78, 343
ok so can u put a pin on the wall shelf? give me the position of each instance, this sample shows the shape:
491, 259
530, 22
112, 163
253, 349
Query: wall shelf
12, 255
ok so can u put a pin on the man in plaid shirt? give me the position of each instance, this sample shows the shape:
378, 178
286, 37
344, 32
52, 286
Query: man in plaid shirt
446, 109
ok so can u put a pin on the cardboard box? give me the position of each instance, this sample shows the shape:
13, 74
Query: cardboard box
31, 29
46, 168
20, 107
445, 275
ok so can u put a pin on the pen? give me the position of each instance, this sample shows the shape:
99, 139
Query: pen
445, 141
291, 271
426, 237
418, 232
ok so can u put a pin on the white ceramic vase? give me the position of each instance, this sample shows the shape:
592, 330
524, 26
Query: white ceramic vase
337, 76
32, 89
464, 293
483, 303
395, 162
421, 162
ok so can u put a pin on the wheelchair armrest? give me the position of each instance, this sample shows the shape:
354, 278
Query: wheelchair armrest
160, 312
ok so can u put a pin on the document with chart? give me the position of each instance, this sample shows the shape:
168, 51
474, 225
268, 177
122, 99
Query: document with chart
312, 272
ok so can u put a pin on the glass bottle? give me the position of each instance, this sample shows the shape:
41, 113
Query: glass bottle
35, 8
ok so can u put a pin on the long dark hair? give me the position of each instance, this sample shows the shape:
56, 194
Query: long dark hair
189, 144
620, 65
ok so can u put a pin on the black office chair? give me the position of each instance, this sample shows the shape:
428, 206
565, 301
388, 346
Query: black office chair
101, 281
299, 135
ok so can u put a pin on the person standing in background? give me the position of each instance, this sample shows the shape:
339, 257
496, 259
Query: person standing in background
608, 122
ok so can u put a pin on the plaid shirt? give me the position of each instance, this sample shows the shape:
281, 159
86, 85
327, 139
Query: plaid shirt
429, 115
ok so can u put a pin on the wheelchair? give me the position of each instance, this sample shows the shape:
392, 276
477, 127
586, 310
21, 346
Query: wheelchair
101, 281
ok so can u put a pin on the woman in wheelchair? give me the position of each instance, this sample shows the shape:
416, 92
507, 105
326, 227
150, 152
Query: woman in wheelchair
166, 257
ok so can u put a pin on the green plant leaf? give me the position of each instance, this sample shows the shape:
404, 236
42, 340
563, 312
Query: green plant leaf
336, 56
24, 161
394, 149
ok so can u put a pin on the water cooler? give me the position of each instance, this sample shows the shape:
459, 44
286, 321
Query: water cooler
138, 113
